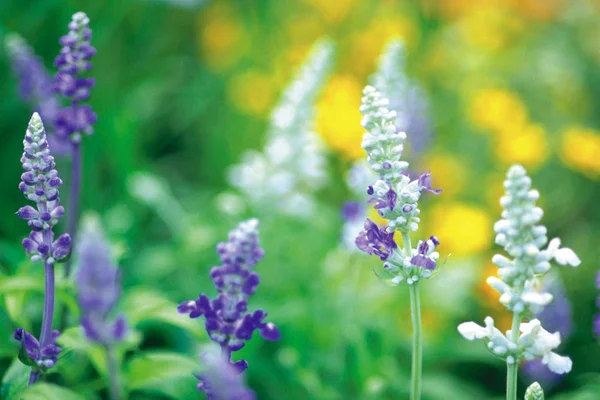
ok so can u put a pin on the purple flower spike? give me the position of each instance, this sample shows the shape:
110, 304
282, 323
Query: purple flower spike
74, 59
425, 183
98, 287
374, 240
227, 319
35, 83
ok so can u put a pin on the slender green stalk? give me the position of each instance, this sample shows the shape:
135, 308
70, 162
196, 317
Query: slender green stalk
113, 374
417, 344
512, 369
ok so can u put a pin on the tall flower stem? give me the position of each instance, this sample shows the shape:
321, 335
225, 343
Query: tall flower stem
417, 344
113, 374
48, 316
74, 197
512, 369
72, 216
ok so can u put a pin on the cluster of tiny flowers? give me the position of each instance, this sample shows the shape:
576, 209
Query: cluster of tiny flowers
33, 354
406, 97
556, 317
98, 287
292, 166
228, 321
395, 195
40, 183
522, 238
221, 381
35, 83
74, 59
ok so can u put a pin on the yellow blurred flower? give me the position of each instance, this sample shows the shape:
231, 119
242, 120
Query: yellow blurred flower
496, 110
333, 11
463, 229
580, 150
251, 92
366, 45
490, 28
448, 172
338, 118
220, 35
527, 145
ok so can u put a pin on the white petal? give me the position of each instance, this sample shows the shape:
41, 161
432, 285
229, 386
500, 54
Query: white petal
552, 247
471, 331
566, 256
558, 364
539, 299
497, 284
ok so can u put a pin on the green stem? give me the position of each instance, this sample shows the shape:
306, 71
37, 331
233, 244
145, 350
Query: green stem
512, 369
113, 374
417, 344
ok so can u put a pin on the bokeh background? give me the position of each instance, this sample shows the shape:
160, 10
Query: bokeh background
184, 88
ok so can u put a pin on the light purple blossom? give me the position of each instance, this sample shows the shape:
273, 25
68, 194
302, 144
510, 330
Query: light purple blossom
98, 288
74, 59
375, 240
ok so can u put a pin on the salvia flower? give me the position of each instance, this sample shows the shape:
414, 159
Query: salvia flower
35, 83
291, 168
98, 287
227, 319
73, 61
220, 380
394, 195
406, 97
33, 354
40, 184
523, 238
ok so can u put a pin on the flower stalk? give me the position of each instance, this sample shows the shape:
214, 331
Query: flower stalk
523, 239
40, 184
396, 197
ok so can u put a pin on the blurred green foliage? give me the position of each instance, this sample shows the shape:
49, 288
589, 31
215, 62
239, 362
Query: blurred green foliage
182, 91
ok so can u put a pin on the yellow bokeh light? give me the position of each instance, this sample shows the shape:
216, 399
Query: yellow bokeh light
580, 150
221, 36
496, 110
448, 172
463, 229
251, 92
338, 117
527, 145
333, 11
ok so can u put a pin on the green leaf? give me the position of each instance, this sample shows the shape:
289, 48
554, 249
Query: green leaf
142, 305
15, 379
168, 373
534, 392
47, 391
74, 339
